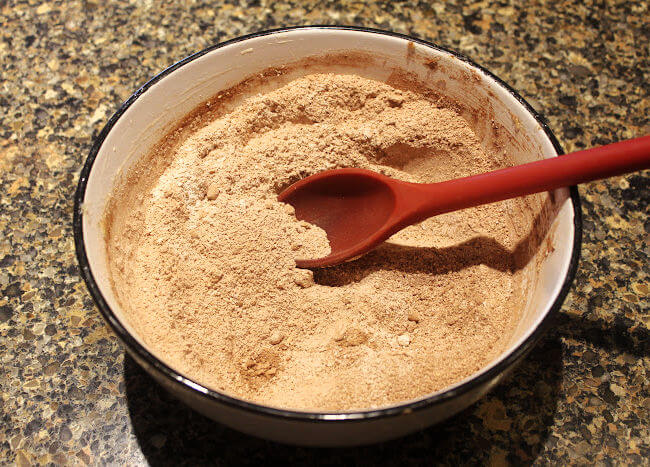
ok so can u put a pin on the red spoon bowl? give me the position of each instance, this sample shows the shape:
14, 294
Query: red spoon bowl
359, 209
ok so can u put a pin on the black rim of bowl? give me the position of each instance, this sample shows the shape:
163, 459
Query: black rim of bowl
199, 390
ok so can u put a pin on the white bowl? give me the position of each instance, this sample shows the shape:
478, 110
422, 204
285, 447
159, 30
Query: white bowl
172, 94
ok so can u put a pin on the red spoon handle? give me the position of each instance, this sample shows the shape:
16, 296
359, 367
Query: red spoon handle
548, 174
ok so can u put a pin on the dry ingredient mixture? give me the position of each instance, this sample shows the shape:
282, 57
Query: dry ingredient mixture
202, 256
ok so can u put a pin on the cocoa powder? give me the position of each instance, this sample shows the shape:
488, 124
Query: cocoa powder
202, 253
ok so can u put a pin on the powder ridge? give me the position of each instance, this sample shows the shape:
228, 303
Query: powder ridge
202, 256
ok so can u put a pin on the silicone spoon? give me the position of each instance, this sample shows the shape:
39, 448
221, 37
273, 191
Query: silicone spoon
359, 209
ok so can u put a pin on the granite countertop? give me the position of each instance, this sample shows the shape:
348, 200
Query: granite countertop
69, 393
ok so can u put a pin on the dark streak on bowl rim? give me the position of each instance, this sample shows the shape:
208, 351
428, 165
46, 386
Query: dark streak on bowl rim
321, 417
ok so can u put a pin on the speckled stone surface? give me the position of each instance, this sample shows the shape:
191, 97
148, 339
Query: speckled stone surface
69, 394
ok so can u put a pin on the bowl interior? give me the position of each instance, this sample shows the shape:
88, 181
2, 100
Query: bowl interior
153, 110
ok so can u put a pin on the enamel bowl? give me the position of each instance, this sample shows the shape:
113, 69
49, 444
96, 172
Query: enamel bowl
169, 96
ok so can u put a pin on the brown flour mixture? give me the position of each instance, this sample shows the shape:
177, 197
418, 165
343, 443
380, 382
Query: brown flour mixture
202, 255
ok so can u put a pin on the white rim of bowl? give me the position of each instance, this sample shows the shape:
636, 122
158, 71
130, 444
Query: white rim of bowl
437, 398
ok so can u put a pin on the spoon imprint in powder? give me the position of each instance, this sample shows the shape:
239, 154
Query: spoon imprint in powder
359, 209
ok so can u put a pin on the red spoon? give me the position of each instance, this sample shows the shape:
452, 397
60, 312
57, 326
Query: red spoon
359, 209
